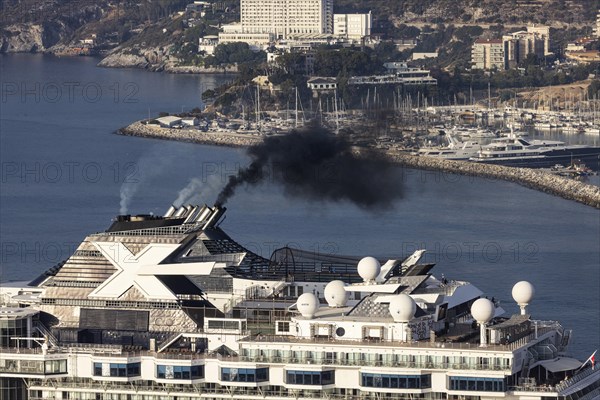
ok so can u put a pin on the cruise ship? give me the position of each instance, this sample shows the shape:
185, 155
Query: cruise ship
171, 308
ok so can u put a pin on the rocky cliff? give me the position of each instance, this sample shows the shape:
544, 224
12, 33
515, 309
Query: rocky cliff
29, 28
31, 37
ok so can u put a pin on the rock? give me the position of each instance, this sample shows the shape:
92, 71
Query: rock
192, 69
22, 38
31, 37
156, 59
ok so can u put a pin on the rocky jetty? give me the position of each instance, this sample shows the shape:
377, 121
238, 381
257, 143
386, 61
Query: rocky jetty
189, 135
531, 178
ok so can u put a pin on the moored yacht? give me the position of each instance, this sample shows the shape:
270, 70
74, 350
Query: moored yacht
472, 133
518, 152
455, 150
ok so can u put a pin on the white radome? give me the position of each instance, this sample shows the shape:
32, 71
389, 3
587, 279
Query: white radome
482, 310
307, 304
402, 308
335, 294
369, 268
523, 292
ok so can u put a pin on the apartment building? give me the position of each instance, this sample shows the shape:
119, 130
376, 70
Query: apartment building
518, 45
352, 26
488, 54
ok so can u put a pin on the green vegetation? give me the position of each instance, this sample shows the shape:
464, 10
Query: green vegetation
530, 74
234, 53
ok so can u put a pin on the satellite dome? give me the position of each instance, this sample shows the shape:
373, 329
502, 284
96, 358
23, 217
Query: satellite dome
402, 308
307, 304
369, 268
482, 310
523, 292
335, 294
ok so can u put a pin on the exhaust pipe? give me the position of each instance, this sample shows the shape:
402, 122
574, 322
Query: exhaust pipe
217, 213
170, 211
192, 215
180, 212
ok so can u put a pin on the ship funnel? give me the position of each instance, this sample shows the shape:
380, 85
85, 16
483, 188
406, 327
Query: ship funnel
217, 212
192, 215
170, 211
180, 211
204, 213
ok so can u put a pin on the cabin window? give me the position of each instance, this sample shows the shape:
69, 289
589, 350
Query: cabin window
476, 384
244, 374
310, 377
117, 370
396, 381
283, 326
180, 371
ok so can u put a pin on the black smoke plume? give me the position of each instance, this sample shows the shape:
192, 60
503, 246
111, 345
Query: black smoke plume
315, 164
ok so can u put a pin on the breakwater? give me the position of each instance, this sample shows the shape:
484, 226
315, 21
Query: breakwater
189, 135
532, 178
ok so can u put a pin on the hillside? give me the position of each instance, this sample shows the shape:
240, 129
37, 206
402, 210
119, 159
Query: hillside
152, 34
557, 13
36, 26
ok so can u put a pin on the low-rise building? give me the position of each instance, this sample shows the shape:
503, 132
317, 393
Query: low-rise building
398, 74
586, 56
321, 84
197, 6
256, 40
422, 56
169, 121
404, 44
207, 44
190, 121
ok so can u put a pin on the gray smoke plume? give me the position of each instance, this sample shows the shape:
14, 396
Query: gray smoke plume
153, 166
315, 164
189, 192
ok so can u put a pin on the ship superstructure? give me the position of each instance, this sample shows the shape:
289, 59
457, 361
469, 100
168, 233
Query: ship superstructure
172, 308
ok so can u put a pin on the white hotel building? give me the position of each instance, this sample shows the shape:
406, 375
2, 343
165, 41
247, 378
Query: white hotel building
264, 21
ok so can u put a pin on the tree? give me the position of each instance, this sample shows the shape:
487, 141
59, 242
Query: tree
208, 95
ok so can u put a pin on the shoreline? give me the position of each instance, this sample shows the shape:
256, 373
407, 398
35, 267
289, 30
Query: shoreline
568, 189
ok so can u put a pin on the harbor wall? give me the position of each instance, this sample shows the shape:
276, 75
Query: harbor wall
566, 188
190, 135
532, 178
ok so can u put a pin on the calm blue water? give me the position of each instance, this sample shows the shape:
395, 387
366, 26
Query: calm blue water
63, 173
